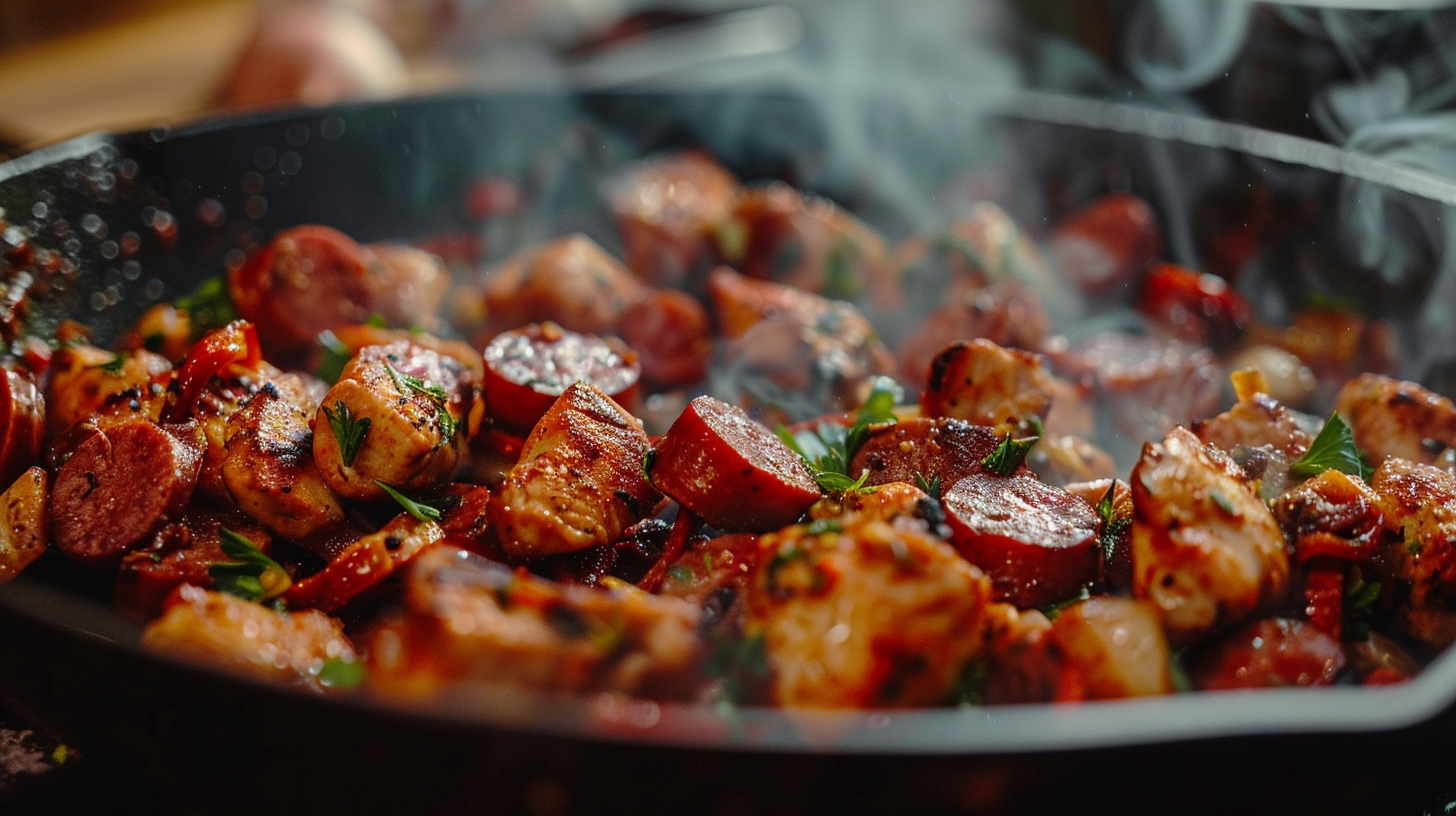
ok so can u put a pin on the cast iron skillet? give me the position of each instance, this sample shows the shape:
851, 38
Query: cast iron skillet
145, 216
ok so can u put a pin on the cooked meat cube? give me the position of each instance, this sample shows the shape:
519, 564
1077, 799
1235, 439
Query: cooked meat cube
1419, 503
1206, 551
1395, 418
269, 470
799, 346
470, 620
885, 502
84, 378
1257, 422
1006, 313
777, 233
409, 286
213, 629
570, 281
709, 566
669, 210
1151, 386
985, 384
400, 409
1021, 664
579, 481
670, 332
1106, 245
1115, 647
873, 613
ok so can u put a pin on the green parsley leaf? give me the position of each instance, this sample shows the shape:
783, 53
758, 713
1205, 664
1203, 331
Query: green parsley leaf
407, 384
831, 482
825, 525
418, 509
648, 460
1333, 449
1113, 523
112, 366
376, 321
251, 575
970, 687
680, 572
335, 356
348, 429
829, 448
1008, 455
1364, 595
1360, 608
344, 675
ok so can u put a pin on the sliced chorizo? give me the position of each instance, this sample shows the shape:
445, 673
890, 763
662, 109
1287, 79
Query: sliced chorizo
923, 448
1272, 652
119, 486
526, 369
730, 470
1037, 543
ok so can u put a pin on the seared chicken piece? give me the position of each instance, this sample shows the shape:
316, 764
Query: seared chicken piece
1206, 551
214, 629
570, 281
269, 469
396, 415
1256, 422
468, 619
1419, 503
1395, 418
23, 534
864, 613
85, 378
1115, 647
983, 383
579, 480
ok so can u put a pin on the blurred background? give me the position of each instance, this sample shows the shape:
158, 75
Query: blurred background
1377, 76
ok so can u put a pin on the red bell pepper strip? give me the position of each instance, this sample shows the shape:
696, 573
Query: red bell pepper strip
233, 344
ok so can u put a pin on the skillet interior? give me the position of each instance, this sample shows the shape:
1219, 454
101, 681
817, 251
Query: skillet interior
403, 169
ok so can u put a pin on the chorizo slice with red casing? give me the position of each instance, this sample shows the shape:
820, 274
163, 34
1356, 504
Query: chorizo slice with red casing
1037, 542
526, 369
947, 449
730, 470
119, 486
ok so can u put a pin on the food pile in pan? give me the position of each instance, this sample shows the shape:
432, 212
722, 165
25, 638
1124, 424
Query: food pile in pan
699, 472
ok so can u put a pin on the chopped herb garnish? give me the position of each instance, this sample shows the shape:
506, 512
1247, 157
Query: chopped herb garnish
1113, 522
407, 384
648, 460
831, 482
829, 448
1009, 455
930, 488
335, 356
418, 509
112, 366
825, 525
251, 575
1182, 683
680, 572
1083, 593
1360, 607
344, 675
348, 429
376, 321
1333, 449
